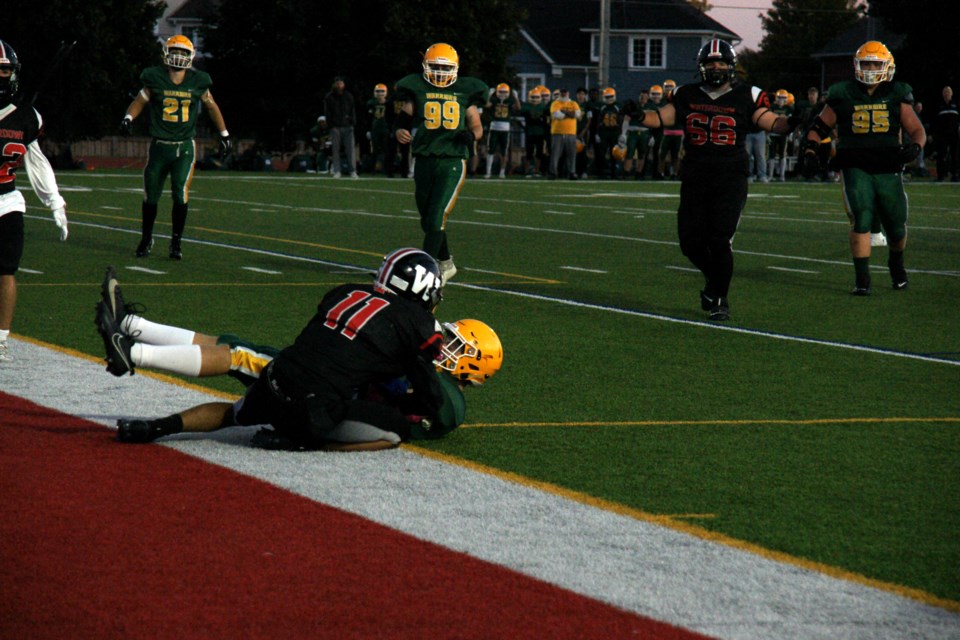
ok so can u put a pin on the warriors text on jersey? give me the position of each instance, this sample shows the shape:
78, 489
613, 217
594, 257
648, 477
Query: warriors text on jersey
868, 126
714, 124
440, 113
358, 336
174, 108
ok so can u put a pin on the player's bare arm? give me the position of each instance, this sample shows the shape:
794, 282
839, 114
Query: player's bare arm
403, 130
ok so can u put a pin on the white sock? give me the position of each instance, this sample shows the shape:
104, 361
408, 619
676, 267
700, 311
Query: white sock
182, 359
489, 164
142, 330
4, 334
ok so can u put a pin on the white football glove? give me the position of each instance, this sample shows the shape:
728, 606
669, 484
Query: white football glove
60, 217
622, 140
559, 115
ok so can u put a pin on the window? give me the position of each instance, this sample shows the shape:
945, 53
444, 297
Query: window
648, 53
595, 48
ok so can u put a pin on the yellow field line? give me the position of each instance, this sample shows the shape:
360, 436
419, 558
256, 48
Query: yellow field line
673, 522
661, 423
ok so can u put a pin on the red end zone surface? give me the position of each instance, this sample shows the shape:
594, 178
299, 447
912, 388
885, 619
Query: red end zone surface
103, 540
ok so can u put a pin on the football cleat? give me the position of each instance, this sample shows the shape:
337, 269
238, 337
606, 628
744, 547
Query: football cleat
447, 269
112, 297
176, 253
5, 352
115, 343
143, 249
901, 283
706, 302
861, 291
720, 311
137, 431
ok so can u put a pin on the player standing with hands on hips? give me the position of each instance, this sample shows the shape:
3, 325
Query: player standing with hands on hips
174, 92
20, 129
443, 109
716, 115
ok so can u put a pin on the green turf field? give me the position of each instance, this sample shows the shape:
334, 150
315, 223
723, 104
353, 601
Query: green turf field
814, 423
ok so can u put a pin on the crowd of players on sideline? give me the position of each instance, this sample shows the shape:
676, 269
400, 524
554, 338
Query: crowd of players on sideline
609, 146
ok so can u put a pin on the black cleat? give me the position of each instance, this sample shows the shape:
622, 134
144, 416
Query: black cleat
143, 249
271, 440
900, 285
861, 291
176, 253
112, 297
137, 431
720, 311
706, 302
115, 343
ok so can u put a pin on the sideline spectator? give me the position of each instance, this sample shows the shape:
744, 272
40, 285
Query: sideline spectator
340, 114
564, 114
946, 135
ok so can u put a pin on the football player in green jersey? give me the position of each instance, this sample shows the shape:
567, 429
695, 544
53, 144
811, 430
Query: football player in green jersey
869, 114
443, 110
174, 91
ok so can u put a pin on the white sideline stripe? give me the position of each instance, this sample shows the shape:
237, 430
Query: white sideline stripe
584, 269
676, 268
488, 212
259, 270
586, 305
559, 213
146, 270
791, 270
632, 564
25, 270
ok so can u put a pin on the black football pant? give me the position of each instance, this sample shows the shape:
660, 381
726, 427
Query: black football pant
711, 201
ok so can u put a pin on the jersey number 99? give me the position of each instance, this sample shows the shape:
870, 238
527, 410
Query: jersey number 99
445, 114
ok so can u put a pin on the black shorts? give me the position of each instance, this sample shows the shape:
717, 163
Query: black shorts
11, 242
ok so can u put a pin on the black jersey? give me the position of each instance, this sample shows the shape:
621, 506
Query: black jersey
20, 127
361, 335
715, 125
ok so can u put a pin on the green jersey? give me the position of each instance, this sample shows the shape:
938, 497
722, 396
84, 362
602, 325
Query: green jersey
378, 115
440, 113
451, 415
174, 108
868, 126
535, 117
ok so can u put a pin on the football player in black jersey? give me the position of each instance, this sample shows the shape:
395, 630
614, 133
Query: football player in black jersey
716, 114
361, 334
20, 129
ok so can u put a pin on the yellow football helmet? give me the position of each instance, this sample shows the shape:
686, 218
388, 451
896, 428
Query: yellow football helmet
545, 92
503, 91
873, 51
380, 91
619, 152
791, 100
669, 86
534, 96
781, 97
656, 91
609, 95
580, 146
471, 352
440, 65
178, 52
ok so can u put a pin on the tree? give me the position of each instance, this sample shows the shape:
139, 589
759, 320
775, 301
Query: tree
86, 96
272, 63
929, 58
794, 30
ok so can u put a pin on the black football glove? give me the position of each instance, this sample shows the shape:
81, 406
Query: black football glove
226, 144
126, 126
907, 153
811, 164
794, 121
465, 137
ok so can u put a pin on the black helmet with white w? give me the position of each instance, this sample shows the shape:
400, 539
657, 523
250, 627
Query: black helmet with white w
717, 51
412, 274
8, 83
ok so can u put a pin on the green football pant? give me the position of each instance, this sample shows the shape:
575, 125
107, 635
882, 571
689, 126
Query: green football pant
174, 159
870, 196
